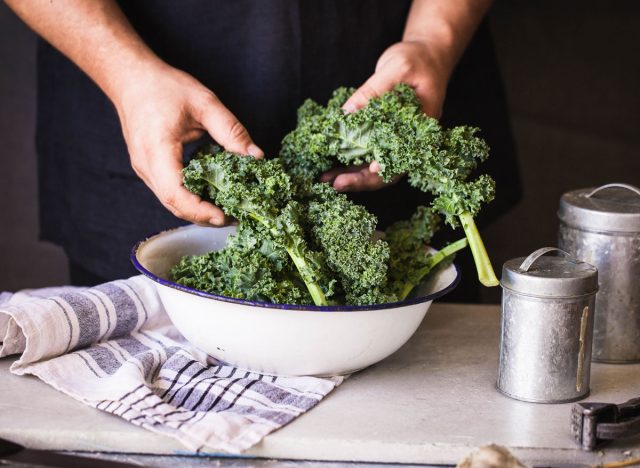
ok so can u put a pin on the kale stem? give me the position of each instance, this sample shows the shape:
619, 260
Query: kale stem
313, 287
298, 260
434, 260
485, 271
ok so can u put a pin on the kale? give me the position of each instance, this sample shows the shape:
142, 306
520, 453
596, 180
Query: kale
260, 193
289, 235
410, 258
301, 242
393, 130
344, 231
251, 267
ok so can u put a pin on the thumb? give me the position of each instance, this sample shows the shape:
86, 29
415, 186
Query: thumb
227, 130
375, 86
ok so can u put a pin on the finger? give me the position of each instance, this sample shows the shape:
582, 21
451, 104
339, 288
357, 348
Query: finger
358, 181
330, 175
226, 129
378, 84
374, 167
166, 179
430, 98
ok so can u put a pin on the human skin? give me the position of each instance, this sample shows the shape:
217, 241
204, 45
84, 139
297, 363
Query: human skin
161, 108
435, 36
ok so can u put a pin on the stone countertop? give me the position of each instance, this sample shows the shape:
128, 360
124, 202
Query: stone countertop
432, 402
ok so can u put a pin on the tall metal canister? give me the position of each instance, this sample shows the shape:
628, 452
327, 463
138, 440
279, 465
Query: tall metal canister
546, 327
601, 226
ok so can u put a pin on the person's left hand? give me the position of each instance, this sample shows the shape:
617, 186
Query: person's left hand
410, 62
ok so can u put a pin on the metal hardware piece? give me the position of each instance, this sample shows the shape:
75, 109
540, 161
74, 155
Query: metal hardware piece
593, 424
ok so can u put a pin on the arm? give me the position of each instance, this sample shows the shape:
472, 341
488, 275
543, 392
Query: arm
159, 107
435, 36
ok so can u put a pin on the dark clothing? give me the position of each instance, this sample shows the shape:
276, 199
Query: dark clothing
262, 59
79, 276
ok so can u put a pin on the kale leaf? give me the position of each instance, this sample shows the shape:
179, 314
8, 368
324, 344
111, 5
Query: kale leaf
289, 235
301, 242
393, 130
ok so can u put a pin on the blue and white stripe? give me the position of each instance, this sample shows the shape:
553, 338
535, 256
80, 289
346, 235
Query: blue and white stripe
111, 347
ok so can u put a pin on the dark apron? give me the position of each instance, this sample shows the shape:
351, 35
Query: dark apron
262, 59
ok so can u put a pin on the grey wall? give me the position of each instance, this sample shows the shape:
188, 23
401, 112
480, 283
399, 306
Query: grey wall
572, 72
572, 77
24, 262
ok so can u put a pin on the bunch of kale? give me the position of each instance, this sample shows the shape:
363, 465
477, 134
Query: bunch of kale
301, 242
393, 131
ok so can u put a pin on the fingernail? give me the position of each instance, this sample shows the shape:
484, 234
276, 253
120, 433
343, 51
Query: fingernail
349, 108
374, 167
254, 151
216, 221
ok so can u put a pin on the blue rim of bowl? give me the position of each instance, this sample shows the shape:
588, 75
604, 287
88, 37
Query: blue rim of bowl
270, 305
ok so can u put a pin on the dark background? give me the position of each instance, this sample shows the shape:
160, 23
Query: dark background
572, 73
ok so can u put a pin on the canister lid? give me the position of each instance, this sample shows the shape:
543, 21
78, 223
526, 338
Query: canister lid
546, 276
610, 208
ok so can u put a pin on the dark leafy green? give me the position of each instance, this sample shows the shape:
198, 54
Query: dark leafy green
301, 242
393, 130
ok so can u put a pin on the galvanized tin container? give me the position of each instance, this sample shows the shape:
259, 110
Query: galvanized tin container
547, 327
602, 226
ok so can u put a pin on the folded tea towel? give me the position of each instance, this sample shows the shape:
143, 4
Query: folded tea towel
113, 347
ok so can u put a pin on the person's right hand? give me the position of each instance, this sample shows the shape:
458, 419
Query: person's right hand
162, 108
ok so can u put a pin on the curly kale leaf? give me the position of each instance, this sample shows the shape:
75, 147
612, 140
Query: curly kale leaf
411, 259
344, 231
247, 275
307, 151
393, 130
261, 191
241, 186
251, 266
295, 242
464, 197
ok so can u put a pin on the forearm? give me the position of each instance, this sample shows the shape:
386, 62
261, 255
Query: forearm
445, 26
160, 107
94, 34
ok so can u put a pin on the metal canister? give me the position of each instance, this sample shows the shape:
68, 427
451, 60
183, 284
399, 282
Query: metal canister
602, 226
546, 327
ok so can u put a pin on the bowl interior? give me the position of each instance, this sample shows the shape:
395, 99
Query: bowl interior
162, 251
155, 256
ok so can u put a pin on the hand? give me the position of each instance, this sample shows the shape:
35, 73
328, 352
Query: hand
361, 178
410, 62
160, 108
159, 112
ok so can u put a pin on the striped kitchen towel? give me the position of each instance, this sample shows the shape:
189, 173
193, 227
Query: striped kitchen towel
113, 347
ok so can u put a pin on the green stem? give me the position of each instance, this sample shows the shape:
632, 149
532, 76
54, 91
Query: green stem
434, 260
313, 287
485, 271
298, 260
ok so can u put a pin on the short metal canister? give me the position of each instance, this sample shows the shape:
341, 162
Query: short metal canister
602, 226
547, 327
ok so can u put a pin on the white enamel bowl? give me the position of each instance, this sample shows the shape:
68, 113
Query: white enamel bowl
279, 339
